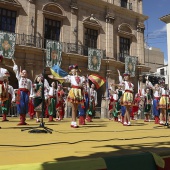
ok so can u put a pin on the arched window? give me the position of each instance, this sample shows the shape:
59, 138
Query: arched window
7, 20
124, 3
91, 32
125, 38
8, 16
54, 15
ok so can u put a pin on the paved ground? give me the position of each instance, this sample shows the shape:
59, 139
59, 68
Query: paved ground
95, 139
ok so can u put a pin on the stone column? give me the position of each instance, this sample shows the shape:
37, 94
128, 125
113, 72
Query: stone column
109, 34
140, 42
74, 22
31, 18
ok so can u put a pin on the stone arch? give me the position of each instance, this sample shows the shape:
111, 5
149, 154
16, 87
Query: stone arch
54, 10
92, 21
125, 28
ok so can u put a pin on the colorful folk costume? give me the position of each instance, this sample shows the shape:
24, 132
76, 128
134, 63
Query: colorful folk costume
111, 105
92, 103
163, 104
4, 74
52, 101
4, 92
6, 105
143, 84
75, 95
24, 90
82, 110
60, 103
156, 98
120, 93
31, 111
127, 98
135, 107
116, 111
147, 105
38, 100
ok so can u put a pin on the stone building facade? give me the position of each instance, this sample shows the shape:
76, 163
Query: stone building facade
114, 26
154, 58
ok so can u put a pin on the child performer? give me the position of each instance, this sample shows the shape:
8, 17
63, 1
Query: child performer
60, 103
147, 104
92, 103
135, 107
156, 98
38, 95
111, 104
164, 101
6, 105
52, 101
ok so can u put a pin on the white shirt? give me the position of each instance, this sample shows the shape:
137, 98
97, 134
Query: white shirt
72, 80
3, 71
93, 94
11, 91
22, 81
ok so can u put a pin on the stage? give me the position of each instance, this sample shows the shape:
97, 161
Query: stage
88, 143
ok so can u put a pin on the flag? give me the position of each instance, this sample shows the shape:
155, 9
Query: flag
57, 72
97, 80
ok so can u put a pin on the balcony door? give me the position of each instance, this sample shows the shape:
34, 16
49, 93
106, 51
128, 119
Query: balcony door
52, 29
7, 20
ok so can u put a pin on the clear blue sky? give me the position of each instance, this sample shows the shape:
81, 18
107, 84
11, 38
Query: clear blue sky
155, 29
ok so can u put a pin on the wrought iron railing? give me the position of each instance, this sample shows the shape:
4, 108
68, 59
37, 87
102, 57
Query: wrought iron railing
126, 5
121, 57
38, 42
29, 40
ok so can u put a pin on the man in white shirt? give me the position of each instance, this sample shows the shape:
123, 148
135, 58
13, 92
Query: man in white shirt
24, 90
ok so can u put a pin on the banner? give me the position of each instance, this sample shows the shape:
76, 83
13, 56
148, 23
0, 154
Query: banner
53, 54
130, 65
57, 72
7, 44
94, 59
97, 80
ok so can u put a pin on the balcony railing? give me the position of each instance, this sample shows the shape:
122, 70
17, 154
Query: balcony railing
38, 42
121, 57
126, 5
29, 40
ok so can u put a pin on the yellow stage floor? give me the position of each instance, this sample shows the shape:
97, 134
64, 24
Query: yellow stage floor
95, 139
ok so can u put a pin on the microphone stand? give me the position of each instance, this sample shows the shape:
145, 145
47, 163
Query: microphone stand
41, 128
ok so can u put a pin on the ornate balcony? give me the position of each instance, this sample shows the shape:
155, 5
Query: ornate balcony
29, 40
38, 42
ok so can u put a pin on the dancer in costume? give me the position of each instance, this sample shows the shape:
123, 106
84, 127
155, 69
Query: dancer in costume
75, 95
164, 101
23, 93
83, 110
52, 101
156, 98
135, 107
6, 105
60, 103
117, 107
111, 105
127, 99
147, 105
31, 111
142, 85
38, 85
92, 103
